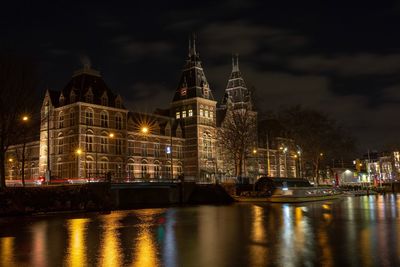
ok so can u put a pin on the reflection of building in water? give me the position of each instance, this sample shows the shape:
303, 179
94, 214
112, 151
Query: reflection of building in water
39, 244
77, 243
259, 251
7, 251
145, 245
110, 254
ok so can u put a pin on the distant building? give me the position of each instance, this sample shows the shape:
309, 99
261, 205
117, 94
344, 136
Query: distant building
86, 132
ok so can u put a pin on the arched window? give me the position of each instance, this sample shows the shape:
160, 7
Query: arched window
89, 141
157, 170
131, 169
103, 167
207, 146
89, 117
60, 143
104, 142
104, 119
118, 121
144, 169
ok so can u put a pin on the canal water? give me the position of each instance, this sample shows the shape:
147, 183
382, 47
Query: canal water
353, 231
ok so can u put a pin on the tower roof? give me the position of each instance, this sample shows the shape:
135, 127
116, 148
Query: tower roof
193, 82
88, 81
236, 90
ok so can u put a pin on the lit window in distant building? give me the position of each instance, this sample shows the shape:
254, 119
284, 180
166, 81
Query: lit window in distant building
201, 112
206, 113
190, 112
178, 115
89, 117
183, 91
211, 115
184, 114
104, 119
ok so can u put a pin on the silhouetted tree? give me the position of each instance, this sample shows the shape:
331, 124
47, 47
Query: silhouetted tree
237, 135
17, 90
319, 136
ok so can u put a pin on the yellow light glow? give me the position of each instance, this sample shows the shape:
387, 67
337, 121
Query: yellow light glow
321, 154
25, 118
111, 135
10, 160
145, 129
254, 151
79, 151
76, 253
295, 156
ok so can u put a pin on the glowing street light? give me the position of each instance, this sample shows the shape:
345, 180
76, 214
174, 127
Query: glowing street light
145, 129
111, 135
78, 151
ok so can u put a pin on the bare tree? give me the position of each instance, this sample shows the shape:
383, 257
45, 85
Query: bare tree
17, 90
319, 136
237, 137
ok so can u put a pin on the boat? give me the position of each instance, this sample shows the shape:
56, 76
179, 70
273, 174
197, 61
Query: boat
289, 190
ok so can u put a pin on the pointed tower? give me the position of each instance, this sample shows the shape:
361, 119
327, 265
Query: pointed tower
193, 108
236, 91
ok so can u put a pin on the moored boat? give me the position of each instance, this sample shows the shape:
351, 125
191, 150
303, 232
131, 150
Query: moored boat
289, 190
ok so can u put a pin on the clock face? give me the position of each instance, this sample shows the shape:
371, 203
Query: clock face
183, 91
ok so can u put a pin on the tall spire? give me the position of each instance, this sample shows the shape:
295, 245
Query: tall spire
235, 63
192, 45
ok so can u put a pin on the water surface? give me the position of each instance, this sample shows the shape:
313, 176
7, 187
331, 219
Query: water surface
353, 231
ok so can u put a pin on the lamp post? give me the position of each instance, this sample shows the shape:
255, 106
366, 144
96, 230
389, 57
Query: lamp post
299, 156
25, 120
256, 166
284, 150
78, 153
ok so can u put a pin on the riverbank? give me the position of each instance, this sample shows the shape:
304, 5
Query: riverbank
104, 197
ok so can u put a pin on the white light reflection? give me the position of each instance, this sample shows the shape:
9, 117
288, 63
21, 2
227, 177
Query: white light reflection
169, 247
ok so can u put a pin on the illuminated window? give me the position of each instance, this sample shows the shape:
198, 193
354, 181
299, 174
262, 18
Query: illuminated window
190, 112
183, 91
104, 119
89, 117
178, 115
211, 115
184, 114
201, 112
206, 113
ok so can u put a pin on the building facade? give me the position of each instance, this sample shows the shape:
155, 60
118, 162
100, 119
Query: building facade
86, 132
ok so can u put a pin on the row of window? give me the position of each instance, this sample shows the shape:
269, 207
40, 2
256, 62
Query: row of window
104, 119
203, 113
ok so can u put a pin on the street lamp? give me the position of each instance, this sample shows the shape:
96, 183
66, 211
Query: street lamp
25, 120
299, 156
284, 150
78, 152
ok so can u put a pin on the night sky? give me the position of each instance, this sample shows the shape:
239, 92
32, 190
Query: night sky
342, 60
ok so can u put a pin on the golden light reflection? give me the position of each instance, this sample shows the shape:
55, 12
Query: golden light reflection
76, 254
365, 241
258, 250
110, 244
326, 250
146, 250
7, 251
